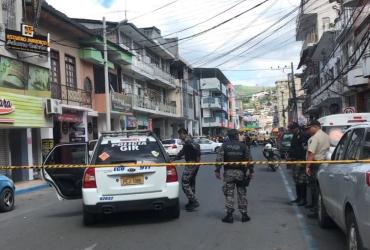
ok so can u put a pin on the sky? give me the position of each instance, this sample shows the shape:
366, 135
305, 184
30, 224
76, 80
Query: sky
255, 47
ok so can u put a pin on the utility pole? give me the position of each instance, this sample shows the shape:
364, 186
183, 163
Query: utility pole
106, 79
294, 95
283, 108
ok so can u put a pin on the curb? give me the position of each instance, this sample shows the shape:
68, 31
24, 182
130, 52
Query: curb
31, 189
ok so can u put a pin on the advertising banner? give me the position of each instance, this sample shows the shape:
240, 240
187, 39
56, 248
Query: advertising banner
22, 78
22, 111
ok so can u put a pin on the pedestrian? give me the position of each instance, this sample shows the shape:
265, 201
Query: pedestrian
234, 176
297, 152
318, 145
191, 151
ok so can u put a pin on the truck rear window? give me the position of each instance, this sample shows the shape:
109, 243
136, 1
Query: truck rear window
128, 150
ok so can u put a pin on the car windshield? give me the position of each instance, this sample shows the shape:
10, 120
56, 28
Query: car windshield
132, 149
169, 142
335, 133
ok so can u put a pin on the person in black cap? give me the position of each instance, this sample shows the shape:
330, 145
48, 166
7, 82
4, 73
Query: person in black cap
318, 145
235, 176
191, 151
297, 152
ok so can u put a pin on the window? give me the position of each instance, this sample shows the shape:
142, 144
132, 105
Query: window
70, 63
127, 41
365, 151
87, 85
341, 148
354, 144
191, 104
54, 67
9, 15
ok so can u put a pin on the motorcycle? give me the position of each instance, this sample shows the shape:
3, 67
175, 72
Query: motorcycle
271, 154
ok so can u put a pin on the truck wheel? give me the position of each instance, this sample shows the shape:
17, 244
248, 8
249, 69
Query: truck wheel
6, 200
89, 218
324, 219
353, 236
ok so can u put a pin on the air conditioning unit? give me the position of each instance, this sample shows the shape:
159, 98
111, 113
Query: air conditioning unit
53, 106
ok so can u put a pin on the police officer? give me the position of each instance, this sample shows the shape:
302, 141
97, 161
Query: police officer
191, 151
235, 176
297, 152
318, 146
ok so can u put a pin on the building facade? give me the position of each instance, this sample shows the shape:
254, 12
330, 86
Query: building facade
24, 89
214, 100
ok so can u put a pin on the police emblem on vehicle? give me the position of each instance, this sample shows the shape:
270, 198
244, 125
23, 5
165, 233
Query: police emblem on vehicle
131, 170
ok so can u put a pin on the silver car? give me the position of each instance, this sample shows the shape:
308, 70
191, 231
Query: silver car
345, 188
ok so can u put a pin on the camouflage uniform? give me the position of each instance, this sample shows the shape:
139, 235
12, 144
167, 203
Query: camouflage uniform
191, 151
297, 152
234, 177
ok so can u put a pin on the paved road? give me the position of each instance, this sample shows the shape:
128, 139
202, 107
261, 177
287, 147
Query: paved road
40, 221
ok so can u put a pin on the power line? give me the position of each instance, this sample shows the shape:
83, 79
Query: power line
342, 72
159, 8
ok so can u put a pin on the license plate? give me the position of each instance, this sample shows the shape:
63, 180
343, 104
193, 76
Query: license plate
132, 180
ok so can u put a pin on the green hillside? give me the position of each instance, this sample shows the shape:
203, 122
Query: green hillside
242, 90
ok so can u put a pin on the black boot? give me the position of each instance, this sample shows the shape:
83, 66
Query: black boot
298, 193
193, 204
228, 218
245, 217
303, 191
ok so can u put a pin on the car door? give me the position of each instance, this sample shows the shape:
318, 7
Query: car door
204, 145
327, 174
66, 181
343, 180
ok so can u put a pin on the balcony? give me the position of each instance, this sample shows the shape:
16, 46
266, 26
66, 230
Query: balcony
120, 103
145, 105
344, 23
214, 122
213, 103
71, 95
311, 39
145, 70
211, 84
356, 76
164, 77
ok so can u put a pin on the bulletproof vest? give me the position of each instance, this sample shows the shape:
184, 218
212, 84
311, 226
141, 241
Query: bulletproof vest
234, 151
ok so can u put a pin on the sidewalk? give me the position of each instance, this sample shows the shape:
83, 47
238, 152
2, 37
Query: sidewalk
29, 186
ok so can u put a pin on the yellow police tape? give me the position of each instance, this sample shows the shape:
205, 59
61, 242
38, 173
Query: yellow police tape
234, 164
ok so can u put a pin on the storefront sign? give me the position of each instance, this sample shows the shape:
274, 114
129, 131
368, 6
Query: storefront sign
122, 103
349, 110
22, 111
6, 107
16, 40
74, 118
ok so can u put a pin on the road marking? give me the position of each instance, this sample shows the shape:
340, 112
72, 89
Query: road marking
310, 240
91, 247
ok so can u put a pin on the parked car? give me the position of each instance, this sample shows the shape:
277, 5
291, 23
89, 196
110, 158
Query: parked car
106, 190
284, 144
172, 146
336, 125
208, 146
344, 196
7, 190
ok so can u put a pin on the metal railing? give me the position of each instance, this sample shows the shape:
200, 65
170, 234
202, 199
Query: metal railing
164, 76
71, 95
146, 103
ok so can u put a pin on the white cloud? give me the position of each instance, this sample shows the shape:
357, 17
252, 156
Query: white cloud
185, 13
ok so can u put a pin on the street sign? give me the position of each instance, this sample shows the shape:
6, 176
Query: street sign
349, 110
16, 40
